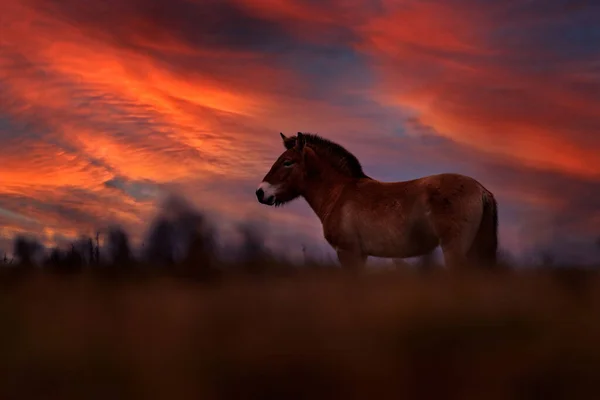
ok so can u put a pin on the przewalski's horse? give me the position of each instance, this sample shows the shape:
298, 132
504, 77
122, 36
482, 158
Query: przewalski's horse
364, 217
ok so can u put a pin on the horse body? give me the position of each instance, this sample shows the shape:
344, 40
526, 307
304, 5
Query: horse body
396, 225
364, 217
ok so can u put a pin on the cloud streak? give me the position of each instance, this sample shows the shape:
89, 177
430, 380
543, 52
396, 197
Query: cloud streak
521, 80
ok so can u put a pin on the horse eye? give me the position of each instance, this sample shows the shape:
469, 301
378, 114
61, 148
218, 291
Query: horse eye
288, 163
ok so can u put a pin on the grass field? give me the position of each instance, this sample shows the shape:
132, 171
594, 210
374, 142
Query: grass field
313, 335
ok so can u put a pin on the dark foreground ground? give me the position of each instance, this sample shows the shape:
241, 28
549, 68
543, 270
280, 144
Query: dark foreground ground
318, 335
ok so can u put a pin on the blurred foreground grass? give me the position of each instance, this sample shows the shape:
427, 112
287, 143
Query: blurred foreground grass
315, 335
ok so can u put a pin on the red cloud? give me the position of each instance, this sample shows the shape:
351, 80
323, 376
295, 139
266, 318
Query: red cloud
453, 68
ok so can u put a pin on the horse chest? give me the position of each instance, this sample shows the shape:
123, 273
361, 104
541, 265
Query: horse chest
338, 230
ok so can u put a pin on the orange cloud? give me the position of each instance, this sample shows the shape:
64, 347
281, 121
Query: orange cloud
84, 110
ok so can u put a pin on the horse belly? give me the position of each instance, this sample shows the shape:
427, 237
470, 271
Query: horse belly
399, 239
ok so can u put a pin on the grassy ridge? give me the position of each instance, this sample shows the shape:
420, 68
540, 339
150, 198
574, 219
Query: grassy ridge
518, 335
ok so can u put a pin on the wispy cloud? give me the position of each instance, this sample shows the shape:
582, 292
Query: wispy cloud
519, 79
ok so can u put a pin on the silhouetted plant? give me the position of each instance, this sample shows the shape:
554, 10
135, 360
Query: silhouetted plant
181, 239
90, 251
195, 235
84, 247
200, 252
159, 246
256, 259
97, 248
547, 259
119, 250
26, 249
71, 261
54, 259
56, 256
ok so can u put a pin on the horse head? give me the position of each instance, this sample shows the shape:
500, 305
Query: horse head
285, 180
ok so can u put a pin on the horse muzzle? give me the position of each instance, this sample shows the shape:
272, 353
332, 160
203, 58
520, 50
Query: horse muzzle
263, 198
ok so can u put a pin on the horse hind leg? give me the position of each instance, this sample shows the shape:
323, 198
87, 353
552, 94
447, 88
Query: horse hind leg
456, 240
466, 229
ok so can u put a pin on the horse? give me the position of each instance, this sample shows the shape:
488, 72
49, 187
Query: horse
363, 217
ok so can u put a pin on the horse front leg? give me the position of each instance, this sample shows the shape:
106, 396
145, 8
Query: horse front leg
351, 260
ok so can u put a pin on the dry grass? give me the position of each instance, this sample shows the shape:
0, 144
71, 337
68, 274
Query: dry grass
302, 336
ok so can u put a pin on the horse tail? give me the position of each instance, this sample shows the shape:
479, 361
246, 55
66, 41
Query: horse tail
485, 245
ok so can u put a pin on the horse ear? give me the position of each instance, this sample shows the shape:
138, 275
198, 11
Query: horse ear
288, 142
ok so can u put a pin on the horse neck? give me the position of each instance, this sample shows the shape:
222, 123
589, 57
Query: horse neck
323, 189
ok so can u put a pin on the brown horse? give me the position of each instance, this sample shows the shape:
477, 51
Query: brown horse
364, 217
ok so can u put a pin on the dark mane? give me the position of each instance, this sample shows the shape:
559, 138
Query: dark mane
342, 159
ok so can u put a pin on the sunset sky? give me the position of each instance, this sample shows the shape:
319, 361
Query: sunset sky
108, 106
